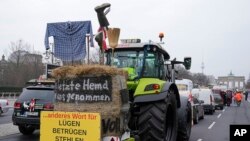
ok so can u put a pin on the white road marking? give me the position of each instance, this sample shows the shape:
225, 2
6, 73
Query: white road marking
219, 116
211, 125
224, 110
199, 140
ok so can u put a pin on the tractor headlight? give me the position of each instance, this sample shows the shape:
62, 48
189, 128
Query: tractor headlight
151, 87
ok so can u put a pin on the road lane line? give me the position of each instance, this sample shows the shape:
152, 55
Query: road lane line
224, 109
219, 116
199, 140
211, 125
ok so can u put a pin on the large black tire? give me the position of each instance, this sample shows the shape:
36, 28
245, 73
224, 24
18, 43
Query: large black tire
211, 111
157, 121
184, 120
26, 130
203, 114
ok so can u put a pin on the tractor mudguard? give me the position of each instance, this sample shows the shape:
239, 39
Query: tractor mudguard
160, 96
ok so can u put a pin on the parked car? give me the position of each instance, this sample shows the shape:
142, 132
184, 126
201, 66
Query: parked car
4, 106
28, 106
198, 110
206, 95
219, 104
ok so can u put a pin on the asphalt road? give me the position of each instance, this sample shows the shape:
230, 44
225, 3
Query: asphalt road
6, 117
20, 137
212, 128
216, 127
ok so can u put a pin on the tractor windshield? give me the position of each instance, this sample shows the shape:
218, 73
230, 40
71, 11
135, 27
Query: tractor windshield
136, 63
151, 69
132, 61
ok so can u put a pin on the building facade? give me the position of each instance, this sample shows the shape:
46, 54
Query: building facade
232, 82
3, 69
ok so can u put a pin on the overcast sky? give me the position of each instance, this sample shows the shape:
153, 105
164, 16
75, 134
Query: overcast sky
215, 31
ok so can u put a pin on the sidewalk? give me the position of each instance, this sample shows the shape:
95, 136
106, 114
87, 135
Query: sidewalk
8, 129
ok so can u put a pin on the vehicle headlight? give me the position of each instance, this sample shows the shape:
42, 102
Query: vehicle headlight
151, 87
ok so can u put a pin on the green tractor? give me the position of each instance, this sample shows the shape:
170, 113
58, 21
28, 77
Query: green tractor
153, 94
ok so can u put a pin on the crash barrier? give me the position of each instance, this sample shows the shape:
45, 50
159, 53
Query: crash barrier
94, 89
9, 95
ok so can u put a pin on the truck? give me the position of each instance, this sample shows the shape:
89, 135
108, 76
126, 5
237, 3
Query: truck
157, 111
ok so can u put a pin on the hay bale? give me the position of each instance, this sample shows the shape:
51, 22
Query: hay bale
92, 88
82, 70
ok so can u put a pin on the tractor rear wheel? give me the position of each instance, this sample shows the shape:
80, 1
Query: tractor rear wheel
157, 121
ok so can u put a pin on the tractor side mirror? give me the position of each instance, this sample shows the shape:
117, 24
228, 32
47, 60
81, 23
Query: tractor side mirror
187, 63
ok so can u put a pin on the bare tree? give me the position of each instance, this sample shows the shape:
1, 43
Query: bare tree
200, 79
34, 62
18, 49
23, 65
182, 73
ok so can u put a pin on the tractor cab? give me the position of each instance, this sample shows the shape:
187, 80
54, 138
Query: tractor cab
141, 60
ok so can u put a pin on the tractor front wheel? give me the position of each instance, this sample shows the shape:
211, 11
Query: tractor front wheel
157, 120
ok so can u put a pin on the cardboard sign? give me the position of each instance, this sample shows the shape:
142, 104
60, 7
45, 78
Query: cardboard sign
84, 89
70, 126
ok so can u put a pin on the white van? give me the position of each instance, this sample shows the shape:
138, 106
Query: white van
185, 87
206, 95
184, 84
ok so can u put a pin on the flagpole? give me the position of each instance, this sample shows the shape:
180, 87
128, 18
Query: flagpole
88, 47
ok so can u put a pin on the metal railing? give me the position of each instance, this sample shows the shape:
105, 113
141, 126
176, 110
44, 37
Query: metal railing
9, 95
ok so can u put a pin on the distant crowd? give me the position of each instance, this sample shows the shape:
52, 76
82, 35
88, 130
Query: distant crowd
235, 96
